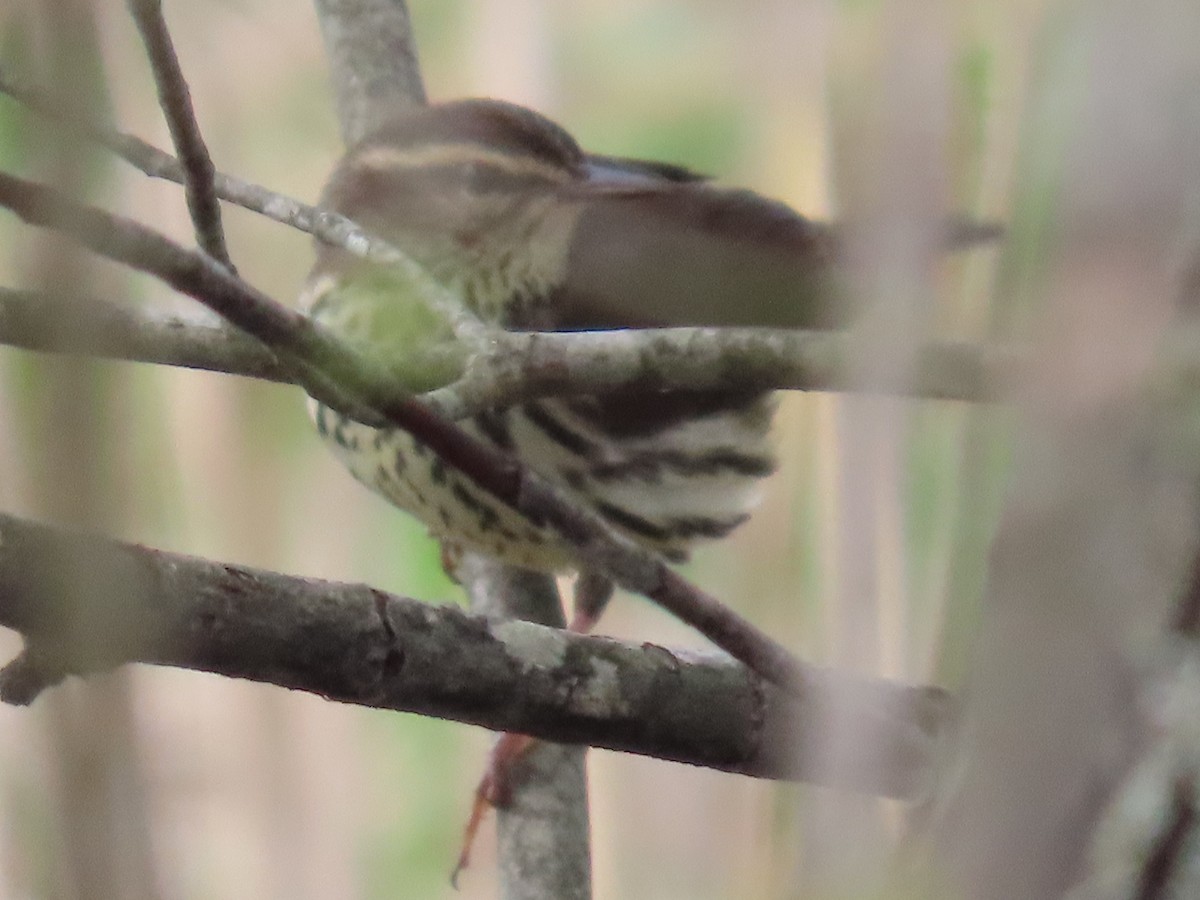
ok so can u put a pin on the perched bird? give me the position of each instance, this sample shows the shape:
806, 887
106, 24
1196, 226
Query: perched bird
503, 208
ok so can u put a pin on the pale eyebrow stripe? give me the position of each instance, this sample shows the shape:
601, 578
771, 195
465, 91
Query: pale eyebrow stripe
382, 158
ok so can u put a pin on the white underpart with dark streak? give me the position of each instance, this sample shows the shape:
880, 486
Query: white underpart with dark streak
657, 493
655, 504
490, 211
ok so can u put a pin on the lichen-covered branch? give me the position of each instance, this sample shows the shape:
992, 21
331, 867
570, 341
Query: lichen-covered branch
374, 61
356, 644
510, 367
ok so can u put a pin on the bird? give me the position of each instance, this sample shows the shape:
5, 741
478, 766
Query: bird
502, 207
504, 210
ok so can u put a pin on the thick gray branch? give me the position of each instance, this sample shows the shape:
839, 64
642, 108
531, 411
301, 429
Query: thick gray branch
374, 61
359, 645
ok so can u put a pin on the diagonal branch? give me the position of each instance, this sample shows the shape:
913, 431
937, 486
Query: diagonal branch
176, 103
327, 226
356, 644
508, 367
335, 375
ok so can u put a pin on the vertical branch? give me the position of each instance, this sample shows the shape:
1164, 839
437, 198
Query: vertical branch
543, 834
891, 180
1101, 523
374, 61
176, 103
102, 827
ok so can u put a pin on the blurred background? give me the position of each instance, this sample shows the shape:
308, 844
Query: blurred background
213, 788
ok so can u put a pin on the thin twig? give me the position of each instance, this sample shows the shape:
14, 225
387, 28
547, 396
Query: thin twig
334, 374
99, 328
329, 227
176, 103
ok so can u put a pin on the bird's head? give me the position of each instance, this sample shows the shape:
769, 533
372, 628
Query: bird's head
445, 183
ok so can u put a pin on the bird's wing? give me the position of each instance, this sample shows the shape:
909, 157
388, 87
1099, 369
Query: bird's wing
657, 249
659, 246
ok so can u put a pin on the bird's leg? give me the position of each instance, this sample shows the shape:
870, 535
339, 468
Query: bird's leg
495, 789
591, 596
452, 554
592, 593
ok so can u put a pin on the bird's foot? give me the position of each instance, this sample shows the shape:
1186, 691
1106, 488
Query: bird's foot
495, 789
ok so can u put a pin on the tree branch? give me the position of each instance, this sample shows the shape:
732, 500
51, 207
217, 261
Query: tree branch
512, 367
335, 375
374, 61
507, 367
330, 227
176, 103
1168, 853
153, 162
33, 321
543, 830
145, 157
356, 644
516, 366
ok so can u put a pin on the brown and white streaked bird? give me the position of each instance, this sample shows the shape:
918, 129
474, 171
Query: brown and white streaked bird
503, 208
